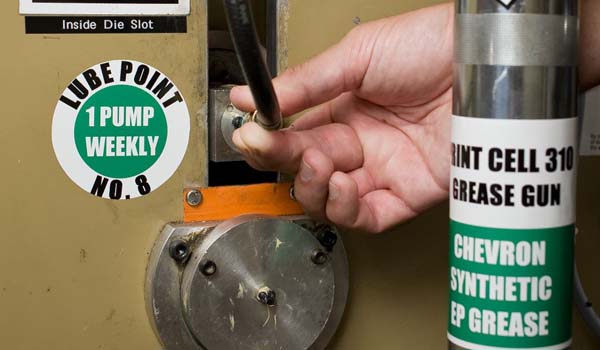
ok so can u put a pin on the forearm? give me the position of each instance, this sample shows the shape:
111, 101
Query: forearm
589, 50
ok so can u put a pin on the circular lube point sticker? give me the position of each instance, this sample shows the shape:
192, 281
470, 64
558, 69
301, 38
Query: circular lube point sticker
120, 129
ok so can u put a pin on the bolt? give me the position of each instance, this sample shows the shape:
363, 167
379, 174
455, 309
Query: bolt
328, 238
208, 267
193, 198
318, 257
237, 122
266, 296
179, 250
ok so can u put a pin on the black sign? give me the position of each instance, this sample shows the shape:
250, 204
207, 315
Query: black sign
114, 25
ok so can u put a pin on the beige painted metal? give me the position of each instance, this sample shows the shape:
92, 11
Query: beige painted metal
72, 266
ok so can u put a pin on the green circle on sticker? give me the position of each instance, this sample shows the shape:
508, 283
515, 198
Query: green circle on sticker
120, 131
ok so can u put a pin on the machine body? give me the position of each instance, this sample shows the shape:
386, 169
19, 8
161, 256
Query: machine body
73, 266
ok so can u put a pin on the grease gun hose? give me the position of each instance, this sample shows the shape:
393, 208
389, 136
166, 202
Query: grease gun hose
584, 306
245, 40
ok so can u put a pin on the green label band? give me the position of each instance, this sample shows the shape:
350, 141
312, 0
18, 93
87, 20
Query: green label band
510, 288
121, 131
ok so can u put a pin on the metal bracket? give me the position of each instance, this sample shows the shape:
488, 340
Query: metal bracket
253, 282
223, 119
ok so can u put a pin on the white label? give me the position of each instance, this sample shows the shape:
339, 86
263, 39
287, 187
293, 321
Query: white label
517, 174
120, 129
106, 7
590, 130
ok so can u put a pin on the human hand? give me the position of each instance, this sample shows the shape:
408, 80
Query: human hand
376, 150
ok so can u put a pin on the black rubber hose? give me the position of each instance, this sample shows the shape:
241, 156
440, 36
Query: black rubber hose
245, 40
585, 307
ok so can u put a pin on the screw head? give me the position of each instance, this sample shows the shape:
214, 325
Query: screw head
208, 267
179, 250
193, 198
266, 296
318, 257
328, 238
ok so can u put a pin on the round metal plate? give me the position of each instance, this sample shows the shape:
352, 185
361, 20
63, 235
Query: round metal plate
221, 307
227, 127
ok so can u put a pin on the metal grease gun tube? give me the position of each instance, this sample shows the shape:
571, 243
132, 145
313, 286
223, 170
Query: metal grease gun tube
513, 176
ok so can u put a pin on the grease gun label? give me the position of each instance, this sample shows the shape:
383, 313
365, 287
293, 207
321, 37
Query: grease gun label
120, 129
512, 211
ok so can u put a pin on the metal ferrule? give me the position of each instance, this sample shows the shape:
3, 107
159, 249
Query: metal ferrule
518, 62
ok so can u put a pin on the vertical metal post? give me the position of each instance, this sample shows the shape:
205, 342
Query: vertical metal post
514, 153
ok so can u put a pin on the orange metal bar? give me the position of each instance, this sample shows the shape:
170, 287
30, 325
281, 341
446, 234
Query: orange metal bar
221, 203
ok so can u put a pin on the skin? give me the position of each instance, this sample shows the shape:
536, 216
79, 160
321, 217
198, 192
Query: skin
589, 48
374, 150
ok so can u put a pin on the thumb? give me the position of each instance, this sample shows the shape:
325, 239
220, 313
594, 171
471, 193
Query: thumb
339, 69
282, 150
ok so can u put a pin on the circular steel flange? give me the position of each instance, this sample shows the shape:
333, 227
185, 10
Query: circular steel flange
258, 258
250, 283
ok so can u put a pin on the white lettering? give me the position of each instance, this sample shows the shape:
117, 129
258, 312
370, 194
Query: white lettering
498, 252
124, 146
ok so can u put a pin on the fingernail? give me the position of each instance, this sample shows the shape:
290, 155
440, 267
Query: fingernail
334, 191
306, 172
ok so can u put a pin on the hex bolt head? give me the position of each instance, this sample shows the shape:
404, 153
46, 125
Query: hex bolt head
266, 296
193, 198
328, 238
208, 267
179, 250
318, 257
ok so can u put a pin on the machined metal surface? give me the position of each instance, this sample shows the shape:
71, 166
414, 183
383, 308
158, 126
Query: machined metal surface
221, 125
552, 7
517, 62
250, 283
516, 39
162, 295
231, 120
502, 92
